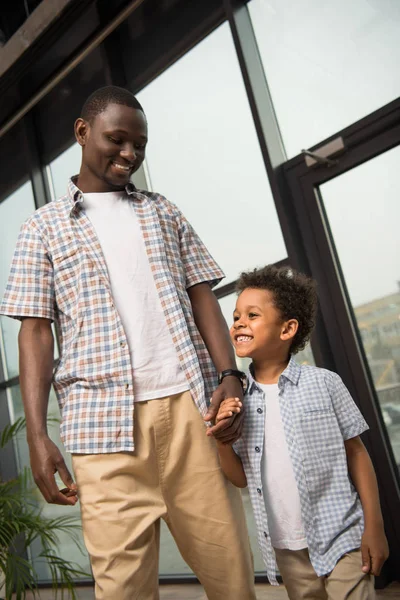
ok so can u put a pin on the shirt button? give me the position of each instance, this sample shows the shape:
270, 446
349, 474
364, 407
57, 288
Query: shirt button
257, 449
127, 386
265, 534
122, 344
259, 410
259, 491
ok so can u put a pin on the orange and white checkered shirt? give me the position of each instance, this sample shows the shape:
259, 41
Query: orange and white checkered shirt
58, 272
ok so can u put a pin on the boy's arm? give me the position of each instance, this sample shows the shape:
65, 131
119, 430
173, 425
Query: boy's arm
231, 465
374, 546
230, 462
214, 331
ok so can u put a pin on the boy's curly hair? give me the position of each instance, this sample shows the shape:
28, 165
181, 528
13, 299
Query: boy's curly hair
294, 294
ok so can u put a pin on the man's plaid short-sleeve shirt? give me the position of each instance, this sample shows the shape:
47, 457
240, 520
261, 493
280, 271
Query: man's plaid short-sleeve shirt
318, 415
58, 272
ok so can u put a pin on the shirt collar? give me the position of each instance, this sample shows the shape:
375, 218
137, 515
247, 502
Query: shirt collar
291, 373
76, 197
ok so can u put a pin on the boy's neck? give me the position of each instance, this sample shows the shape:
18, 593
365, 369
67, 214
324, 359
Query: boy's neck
268, 370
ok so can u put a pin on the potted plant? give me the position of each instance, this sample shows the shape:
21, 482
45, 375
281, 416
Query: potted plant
21, 524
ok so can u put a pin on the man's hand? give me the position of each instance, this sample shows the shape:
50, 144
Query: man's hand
374, 550
227, 430
46, 460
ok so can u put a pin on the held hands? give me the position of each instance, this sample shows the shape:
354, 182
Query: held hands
226, 399
374, 549
46, 460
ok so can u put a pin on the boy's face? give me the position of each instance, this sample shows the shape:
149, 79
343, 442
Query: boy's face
258, 330
113, 148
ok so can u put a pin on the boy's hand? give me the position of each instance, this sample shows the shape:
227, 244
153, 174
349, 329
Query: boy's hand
226, 430
228, 408
374, 550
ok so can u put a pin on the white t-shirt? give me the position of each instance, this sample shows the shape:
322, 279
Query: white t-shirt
156, 369
282, 501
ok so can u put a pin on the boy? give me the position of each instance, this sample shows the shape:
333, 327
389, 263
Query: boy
128, 282
311, 482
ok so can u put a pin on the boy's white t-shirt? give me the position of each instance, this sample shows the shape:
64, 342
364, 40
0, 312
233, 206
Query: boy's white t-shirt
156, 369
282, 500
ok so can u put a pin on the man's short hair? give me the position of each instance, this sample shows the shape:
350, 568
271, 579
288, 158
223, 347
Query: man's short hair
294, 294
101, 98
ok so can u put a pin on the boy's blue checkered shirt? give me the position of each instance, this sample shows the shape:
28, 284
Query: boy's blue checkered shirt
318, 415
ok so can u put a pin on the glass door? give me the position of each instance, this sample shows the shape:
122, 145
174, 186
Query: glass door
362, 211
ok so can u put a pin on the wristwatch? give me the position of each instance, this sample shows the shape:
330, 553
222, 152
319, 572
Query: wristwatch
235, 373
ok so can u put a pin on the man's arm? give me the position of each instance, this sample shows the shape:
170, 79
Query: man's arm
36, 357
213, 329
374, 546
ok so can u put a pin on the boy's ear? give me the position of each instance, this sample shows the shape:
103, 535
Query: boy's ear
289, 329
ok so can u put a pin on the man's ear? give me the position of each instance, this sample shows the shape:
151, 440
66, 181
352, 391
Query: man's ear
82, 129
289, 329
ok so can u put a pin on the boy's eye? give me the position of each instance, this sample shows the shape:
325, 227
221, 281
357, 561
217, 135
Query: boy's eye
252, 315
235, 318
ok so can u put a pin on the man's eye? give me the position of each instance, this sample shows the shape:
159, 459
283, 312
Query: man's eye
140, 146
114, 140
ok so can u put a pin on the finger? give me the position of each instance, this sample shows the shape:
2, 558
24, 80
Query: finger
376, 565
366, 559
227, 433
65, 475
215, 401
47, 485
227, 413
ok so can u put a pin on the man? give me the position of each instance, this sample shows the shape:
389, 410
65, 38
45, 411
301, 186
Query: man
128, 282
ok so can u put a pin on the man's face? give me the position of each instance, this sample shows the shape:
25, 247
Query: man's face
113, 148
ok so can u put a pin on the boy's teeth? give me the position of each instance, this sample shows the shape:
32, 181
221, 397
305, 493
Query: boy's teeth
243, 338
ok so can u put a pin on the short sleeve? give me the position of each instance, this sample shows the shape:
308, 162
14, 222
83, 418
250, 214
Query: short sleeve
30, 286
350, 420
198, 263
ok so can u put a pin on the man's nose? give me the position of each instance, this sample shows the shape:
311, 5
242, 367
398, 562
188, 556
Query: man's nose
128, 153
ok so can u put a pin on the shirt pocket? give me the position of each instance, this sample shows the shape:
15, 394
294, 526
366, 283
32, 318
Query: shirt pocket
67, 265
324, 457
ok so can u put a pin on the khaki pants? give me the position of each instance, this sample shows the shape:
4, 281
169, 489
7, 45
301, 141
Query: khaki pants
174, 474
345, 582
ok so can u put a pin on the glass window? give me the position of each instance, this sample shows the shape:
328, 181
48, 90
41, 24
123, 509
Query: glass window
368, 245
63, 167
203, 155
327, 64
14, 210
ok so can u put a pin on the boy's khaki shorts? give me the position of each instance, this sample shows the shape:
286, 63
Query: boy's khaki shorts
345, 582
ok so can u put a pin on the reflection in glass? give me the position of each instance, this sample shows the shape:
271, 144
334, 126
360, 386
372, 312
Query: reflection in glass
14, 210
203, 155
327, 64
368, 245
